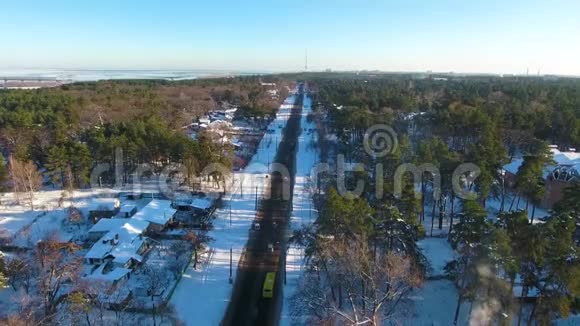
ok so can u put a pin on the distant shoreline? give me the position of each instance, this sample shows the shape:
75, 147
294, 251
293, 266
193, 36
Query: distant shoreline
62, 76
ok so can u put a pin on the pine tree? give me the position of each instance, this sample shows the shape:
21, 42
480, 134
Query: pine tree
4, 176
3, 278
410, 204
467, 238
56, 164
558, 279
570, 202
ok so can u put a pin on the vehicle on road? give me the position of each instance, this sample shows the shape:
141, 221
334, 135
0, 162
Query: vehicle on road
268, 289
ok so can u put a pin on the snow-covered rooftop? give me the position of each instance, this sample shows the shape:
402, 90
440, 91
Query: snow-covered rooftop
127, 208
114, 275
566, 158
124, 240
100, 203
106, 225
569, 159
201, 203
157, 211
128, 250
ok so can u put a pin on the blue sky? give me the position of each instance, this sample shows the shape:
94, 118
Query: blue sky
396, 35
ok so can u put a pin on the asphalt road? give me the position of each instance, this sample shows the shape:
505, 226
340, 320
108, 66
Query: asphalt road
247, 307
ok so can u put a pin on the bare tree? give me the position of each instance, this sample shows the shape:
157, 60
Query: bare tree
177, 250
354, 283
25, 178
156, 283
195, 241
19, 272
57, 267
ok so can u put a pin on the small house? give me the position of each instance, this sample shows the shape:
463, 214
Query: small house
122, 245
104, 208
158, 212
103, 226
127, 211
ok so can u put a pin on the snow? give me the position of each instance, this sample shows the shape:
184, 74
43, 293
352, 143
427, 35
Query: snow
121, 241
114, 275
201, 203
513, 166
560, 158
303, 210
493, 206
438, 252
432, 305
157, 212
104, 204
106, 225
49, 210
572, 320
202, 295
127, 208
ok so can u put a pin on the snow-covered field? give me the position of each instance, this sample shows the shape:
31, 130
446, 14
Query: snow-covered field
25, 226
203, 294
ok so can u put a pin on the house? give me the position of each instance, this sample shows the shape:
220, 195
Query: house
103, 226
122, 245
104, 208
108, 274
194, 211
565, 172
557, 177
158, 212
134, 195
127, 211
204, 121
196, 204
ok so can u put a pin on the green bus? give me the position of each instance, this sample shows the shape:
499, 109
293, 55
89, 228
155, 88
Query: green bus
268, 289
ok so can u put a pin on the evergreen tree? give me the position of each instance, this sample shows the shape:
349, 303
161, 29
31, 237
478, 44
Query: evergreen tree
4, 176
558, 279
467, 238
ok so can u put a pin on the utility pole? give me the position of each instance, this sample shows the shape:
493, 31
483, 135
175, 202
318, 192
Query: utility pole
231, 262
256, 204
286, 249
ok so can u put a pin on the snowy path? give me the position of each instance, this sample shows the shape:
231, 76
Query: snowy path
434, 303
303, 211
202, 295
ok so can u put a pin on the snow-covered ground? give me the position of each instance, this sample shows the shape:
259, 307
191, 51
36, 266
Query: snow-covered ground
303, 211
431, 305
434, 303
438, 253
25, 226
203, 294
492, 206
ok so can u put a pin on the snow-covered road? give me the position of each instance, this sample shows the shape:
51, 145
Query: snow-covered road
303, 211
202, 295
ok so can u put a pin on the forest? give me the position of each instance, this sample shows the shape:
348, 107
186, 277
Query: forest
66, 131
364, 254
